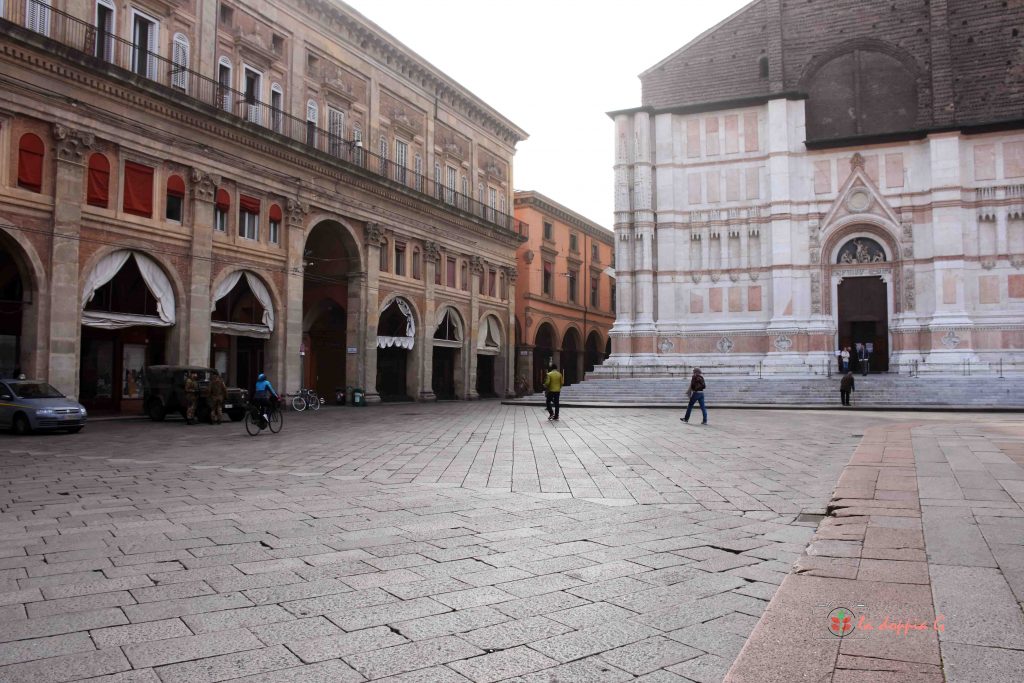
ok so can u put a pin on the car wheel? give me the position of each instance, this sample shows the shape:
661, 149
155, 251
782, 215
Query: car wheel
20, 425
156, 411
74, 430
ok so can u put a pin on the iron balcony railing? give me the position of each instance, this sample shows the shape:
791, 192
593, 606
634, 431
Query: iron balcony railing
110, 50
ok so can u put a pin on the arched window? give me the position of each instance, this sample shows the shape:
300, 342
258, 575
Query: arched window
180, 51
275, 224
312, 117
97, 192
175, 206
861, 92
221, 209
31, 152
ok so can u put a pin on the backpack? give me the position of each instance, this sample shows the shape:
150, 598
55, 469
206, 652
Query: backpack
698, 383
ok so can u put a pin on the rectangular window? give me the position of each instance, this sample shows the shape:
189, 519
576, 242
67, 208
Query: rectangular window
450, 179
104, 32
383, 155
401, 160
220, 219
144, 48
437, 272
253, 95
503, 284
492, 283
277, 111
595, 254
174, 209
549, 277
138, 189
465, 277
336, 127
399, 258
492, 202
574, 276
482, 285
224, 81
275, 231
595, 290
37, 16
574, 243
451, 272
549, 231
248, 217
383, 264
416, 272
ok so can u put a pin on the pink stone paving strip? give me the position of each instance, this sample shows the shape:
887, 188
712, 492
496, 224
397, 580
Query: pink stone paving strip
867, 559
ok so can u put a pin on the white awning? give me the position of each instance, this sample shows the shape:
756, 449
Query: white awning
240, 329
156, 282
259, 290
489, 336
406, 342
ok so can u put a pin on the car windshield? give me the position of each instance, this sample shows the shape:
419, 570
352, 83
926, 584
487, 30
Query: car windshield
36, 390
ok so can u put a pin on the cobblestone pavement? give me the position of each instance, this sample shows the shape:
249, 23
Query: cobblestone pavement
444, 542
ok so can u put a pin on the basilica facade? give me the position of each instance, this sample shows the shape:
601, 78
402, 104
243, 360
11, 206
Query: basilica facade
799, 181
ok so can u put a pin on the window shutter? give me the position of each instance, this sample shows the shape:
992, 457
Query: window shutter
175, 186
138, 189
312, 111
249, 204
98, 181
223, 199
37, 16
275, 213
180, 58
151, 48
30, 162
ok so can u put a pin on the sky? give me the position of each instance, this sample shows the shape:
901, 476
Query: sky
554, 68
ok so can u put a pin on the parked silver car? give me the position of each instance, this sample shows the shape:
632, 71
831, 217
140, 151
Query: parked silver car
27, 405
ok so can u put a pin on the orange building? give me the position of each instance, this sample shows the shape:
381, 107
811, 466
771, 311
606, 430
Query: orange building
565, 292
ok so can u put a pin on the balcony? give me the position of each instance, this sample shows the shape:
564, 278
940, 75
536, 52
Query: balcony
130, 61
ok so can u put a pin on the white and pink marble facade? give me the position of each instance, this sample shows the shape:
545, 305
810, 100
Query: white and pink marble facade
728, 230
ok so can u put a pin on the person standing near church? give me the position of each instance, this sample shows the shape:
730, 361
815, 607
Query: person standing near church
552, 390
845, 356
846, 386
696, 394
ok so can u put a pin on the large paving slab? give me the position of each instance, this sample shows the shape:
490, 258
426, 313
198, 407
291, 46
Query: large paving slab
463, 541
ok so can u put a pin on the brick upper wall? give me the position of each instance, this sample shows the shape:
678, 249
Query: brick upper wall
981, 65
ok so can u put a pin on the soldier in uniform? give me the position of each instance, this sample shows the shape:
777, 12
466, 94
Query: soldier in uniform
218, 393
191, 397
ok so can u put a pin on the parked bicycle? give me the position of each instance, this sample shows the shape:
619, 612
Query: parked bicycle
306, 398
258, 418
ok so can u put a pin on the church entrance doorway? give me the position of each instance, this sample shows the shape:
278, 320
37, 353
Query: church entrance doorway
864, 319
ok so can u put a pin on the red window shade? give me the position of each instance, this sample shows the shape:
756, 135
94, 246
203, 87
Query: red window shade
98, 181
249, 204
138, 189
275, 213
30, 162
223, 199
175, 186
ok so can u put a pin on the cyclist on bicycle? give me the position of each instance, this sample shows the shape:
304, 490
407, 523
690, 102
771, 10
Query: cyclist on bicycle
265, 395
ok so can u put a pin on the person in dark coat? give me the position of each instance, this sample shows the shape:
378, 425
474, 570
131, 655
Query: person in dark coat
846, 386
696, 395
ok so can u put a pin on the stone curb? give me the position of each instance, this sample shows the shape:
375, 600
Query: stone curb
917, 408
867, 558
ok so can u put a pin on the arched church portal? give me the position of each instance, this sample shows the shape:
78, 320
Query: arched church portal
862, 302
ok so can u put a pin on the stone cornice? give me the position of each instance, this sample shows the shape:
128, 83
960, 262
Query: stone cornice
344, 23
566, 215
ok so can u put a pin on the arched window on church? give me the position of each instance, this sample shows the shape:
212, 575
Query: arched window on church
860, 92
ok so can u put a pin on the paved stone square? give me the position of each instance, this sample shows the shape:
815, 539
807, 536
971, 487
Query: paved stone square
428, 542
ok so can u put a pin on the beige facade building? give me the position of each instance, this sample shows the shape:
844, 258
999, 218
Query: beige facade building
565, 294
278, 187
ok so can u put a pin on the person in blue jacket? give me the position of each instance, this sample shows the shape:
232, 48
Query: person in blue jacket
264, 393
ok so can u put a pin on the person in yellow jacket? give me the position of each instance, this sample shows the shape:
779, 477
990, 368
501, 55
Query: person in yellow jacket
552, 389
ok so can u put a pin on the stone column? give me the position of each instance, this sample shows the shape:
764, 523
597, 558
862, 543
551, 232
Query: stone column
512, 351
476, 267
355, 324
643, 225
292, 320
431, 255
204, 188
72, 148
374, 240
